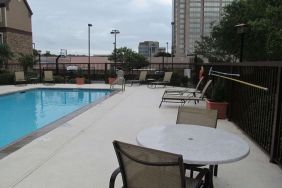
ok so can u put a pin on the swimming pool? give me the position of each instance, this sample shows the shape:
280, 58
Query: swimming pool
23, 113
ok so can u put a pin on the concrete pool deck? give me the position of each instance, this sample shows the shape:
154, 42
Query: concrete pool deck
80, 153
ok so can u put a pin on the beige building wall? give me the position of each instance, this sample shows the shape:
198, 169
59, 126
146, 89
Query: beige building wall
15, 27
18, 16
2, 17
19, 43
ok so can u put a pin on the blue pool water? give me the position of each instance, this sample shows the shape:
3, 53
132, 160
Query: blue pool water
24, 113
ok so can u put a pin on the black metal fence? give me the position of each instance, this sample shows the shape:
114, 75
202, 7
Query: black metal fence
256, 111
99, 71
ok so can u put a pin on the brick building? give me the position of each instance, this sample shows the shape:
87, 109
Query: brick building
15, 25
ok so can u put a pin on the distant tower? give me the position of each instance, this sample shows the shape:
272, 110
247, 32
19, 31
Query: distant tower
148, 48
191, 20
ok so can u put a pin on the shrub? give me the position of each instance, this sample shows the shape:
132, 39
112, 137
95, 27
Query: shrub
6, 78
59, 79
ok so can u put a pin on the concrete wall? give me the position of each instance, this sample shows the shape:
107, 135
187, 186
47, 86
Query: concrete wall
18, 16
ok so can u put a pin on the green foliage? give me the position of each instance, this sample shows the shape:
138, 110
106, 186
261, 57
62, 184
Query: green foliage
112, 73
179, 79
218, 91
59, 79
162, 54
263, 40
79, 73
6, 78
5, 54
129, 58
35, 52
26, 61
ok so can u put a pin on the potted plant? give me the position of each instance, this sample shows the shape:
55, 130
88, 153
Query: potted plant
216, 99
80, 80
112, 76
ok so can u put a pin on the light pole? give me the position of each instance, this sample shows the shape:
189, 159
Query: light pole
115, 32
241, 30
89, 26
172, 43
167, 47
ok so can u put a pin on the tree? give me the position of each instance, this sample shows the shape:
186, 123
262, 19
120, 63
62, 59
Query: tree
26, 61
129, 58
5, 54
162, 54
263, 41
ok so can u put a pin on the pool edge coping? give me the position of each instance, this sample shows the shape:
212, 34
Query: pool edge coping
18, 144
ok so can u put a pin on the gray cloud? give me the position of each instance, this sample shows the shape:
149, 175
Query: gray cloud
62, 24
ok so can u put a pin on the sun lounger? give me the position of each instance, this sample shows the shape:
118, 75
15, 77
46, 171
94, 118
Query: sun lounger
142, 78
166, 80
182, 91
19, 77
48, 77
168, 98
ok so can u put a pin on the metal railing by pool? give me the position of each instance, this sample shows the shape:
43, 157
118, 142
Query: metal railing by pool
255, 111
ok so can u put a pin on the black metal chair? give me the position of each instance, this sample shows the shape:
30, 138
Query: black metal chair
147, 168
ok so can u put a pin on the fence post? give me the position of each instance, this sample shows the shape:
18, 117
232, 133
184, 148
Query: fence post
105, 73
276, 122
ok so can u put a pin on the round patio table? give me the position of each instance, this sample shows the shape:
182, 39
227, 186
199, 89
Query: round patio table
197, 144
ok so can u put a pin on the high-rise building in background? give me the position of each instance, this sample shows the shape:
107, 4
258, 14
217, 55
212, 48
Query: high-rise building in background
191, 20
148, 48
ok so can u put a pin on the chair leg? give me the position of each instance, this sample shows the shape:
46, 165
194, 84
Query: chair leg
191, 173
113, 178
161, 104
215, 170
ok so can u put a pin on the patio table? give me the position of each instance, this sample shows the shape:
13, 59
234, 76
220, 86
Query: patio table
197, 144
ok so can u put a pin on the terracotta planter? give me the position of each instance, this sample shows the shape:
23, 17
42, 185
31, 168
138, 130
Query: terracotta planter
79, 81
111, 80
221, 108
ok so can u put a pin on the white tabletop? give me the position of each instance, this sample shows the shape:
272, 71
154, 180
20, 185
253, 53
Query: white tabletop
197, 144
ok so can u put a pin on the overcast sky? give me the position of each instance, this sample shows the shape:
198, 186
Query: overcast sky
62, 24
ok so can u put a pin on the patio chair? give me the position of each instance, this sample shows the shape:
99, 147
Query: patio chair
169, 98
119, 81
48, 77
166, 80
142, 78
147, 168
197, 116
19, 77
182, 91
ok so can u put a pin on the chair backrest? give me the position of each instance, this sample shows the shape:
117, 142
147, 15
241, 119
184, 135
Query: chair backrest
19, 76
167, 76
120, 73
147, 168
197, 116
142, 76
205, 89
199, 83
48, 76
